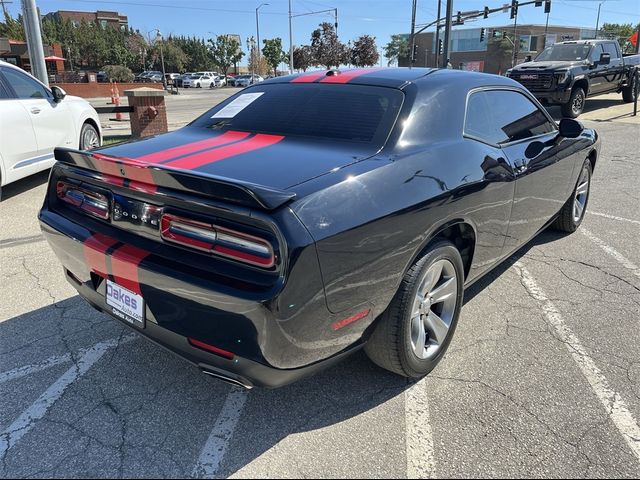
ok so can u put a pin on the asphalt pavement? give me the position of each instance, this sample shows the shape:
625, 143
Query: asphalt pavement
542, 378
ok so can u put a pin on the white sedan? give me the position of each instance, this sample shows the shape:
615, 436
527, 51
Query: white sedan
35, 119
198, 81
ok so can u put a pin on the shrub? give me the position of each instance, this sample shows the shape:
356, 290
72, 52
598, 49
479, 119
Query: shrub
118, 73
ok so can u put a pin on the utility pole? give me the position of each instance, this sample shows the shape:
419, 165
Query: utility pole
438, 32
516, 40
447, 34
290, 42
4, 7
598, 20
34, 40
258, 26
412, 37
638, 39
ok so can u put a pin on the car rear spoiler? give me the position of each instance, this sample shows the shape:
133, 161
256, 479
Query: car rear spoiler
150, 178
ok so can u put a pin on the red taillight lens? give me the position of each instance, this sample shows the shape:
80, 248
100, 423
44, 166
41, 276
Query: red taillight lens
218, 240
90, 202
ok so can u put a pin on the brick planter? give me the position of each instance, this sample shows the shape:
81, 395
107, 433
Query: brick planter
149, 116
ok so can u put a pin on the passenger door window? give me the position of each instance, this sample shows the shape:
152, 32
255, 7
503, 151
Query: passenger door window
611, 49
25, 87
499, 117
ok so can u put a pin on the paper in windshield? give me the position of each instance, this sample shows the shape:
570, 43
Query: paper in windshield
236, 106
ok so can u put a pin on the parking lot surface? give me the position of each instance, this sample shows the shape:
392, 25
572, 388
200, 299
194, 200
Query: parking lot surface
542, 377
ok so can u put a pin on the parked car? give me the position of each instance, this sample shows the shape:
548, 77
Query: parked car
246, 80
180, 79
198, 81
310, 215
170, 78
221, 81
567, 73
34, 119
154, 77
102, 77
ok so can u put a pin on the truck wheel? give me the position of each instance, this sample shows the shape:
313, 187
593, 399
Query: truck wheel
630, 91
573, 108
414, 332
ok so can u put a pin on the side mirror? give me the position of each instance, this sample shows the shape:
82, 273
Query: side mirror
534, 149
58, 94
605, 59
570, 128
527, 58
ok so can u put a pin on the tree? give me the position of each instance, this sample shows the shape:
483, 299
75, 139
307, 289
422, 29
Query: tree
273, 53
12, 28
326, 49
620, 32
302, 58
364, 52
258, 63
174, 57
500, 50
397, 48
225, 51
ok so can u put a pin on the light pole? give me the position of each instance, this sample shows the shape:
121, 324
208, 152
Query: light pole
159, 39
598, 18
258, 25
290, 42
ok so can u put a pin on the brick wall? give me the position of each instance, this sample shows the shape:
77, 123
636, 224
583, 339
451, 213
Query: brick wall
93, 90
149, 116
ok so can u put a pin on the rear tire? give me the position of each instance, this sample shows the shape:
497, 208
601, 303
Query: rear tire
574, 107
413, 334
573, 211
89, 137
630, 91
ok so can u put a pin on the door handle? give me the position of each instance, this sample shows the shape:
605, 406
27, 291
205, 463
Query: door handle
520, 166
35, 110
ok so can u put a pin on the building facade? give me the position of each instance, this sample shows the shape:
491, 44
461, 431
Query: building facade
103, 18
494, 53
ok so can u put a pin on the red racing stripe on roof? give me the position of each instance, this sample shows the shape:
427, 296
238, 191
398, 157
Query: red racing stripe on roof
226, 137
309, 77
95, 253
349, 75
260, 140
124, 265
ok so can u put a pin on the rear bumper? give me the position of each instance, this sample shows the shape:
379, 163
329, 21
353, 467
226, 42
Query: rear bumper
270, 347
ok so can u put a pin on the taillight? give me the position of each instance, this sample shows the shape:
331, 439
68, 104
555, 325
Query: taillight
90, 202
217, 240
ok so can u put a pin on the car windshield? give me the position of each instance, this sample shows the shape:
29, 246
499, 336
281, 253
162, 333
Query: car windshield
565, 52
356, 113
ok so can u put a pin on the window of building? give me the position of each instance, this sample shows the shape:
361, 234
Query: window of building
24, 86
499, 117
103, 24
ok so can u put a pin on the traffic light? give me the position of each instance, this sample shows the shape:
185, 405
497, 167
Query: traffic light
440, 47
414, 54
494, 34
514, 8
486, 12
459, 20
547, 6
483, 32
538, 4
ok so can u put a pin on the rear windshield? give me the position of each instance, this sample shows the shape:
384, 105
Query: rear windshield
355, 113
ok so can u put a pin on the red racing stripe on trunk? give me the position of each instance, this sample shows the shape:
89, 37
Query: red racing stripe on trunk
181, 150
108, 166
348, 75
95, 248
137, 172
309, 77
124, 265
257, 142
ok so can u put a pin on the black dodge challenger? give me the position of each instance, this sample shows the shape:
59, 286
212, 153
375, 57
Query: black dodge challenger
311, 215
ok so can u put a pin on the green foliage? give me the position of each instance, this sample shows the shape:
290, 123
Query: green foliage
118, 73
620, 32
364, 52
12, 28
302, 58
225, 51
273, 53
326, 49
398, 47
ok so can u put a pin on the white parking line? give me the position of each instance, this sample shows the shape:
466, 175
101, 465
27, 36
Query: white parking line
419, 437
613, 217
21, 426
613, 403
50, 362
215, 447
624, 261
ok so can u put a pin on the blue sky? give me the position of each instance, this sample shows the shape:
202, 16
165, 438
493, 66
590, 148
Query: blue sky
379, 18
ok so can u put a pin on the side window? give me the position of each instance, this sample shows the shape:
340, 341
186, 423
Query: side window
504, 116
24, 86
611, 49
4, 94
594, 56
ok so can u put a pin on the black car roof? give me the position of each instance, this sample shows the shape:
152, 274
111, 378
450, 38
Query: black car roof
382, 77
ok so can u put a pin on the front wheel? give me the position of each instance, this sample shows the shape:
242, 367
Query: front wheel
573, 211
630, 92
574, 107
89, 138
414, 332
198, 85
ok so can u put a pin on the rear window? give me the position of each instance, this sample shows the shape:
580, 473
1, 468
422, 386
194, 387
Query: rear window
355, 113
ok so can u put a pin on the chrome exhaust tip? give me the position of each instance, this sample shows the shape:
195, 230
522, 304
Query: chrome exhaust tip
227, 379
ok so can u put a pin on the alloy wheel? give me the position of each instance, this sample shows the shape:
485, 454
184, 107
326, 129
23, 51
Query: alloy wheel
582, 194
578, 103
90, 139
433, 309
